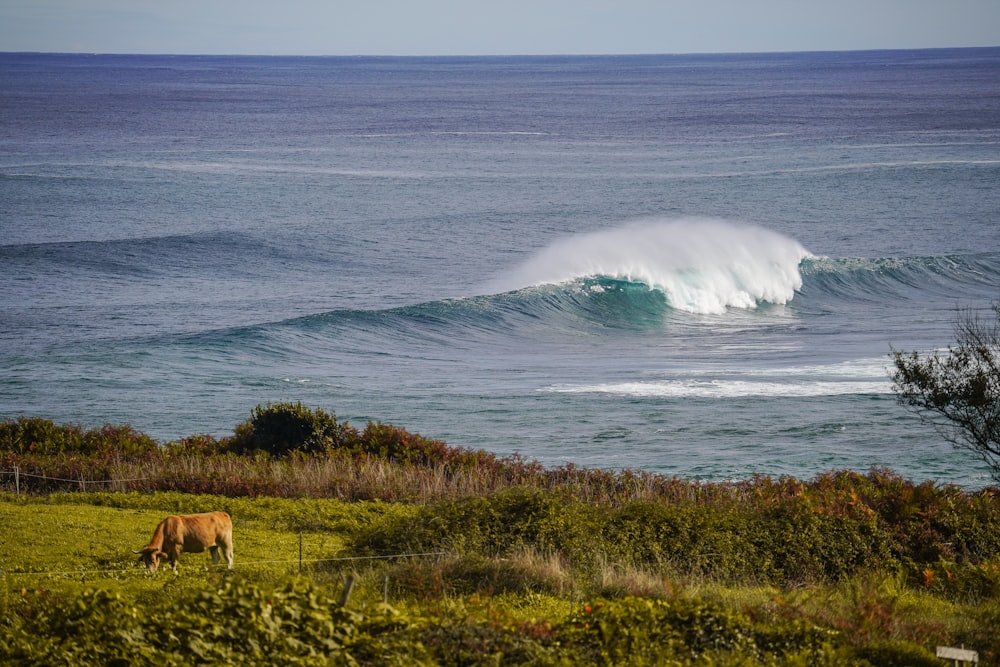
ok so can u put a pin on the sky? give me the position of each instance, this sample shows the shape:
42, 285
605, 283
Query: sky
497, 27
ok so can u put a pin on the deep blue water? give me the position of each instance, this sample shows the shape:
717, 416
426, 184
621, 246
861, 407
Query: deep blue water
694, 265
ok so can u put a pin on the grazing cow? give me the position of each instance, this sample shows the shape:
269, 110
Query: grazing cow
192, 533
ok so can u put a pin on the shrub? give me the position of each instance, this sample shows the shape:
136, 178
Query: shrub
237, 623
399, 445
282, 428
121, 440
475, 574
798, 544
34, 435
898, 654
41, 436
981, 632
470, 642
201, 444
650, 534
620, 631
963, 582
782, 543
501, 525
688, 631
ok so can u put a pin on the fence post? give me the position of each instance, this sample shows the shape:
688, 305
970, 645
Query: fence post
17, 480
348, 587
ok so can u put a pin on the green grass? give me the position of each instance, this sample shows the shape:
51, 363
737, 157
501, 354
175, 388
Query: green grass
55, 541
509, 562
68, 546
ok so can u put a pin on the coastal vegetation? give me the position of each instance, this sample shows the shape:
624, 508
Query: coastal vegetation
377, 546
957, 391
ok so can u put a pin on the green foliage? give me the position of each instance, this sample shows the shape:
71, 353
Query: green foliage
34, 434
282, 428
83, 600
400, 446
201, 444
958, 392
237, 623
786, 543
42, 436
898, 654
474, 574
963, 581
799, 543
644, 631
500, 525
980, 631
859, 563
475, 631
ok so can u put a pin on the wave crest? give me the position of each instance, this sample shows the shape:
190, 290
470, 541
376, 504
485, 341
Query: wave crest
701, 265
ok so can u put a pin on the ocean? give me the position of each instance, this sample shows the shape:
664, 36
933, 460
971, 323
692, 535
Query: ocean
695, 265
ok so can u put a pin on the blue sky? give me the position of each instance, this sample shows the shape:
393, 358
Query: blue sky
466, 27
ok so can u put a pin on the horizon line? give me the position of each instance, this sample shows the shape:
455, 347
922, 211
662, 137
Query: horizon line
492, 55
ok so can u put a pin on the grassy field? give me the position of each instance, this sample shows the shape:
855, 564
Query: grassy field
67, 547
60, 541
453, 557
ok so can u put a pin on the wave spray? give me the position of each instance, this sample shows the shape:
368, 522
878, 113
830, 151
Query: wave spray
702, 265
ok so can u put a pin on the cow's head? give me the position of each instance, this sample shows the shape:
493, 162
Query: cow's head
150, 557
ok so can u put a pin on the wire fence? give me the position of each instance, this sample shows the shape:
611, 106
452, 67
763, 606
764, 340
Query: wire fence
17, 476
349, 580
242, 563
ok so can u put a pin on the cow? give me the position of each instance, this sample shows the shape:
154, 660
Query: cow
192, 533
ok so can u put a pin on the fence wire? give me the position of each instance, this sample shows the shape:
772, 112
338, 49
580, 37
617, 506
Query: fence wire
82, 483
242, 563
17, 474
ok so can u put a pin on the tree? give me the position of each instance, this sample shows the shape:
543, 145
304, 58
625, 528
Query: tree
958, 391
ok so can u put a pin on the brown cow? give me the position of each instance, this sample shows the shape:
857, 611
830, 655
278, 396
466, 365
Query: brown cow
192, 533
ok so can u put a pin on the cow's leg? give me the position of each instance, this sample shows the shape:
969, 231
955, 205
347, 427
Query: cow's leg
175, 557
227, 550
215, 554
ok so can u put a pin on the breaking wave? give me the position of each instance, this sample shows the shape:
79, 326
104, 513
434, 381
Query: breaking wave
699, 265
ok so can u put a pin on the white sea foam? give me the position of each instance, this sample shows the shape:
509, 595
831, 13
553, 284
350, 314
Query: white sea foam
856, 376
695, 388
701, 265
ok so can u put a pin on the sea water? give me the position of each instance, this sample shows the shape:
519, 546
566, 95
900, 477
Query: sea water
694, 265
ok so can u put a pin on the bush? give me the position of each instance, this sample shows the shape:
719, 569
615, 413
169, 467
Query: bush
682, 631
898, 654
478, 575
782, 543
41, 436
236, 624
283, 428
34, 435
399, 445
498, 526
201, 444
798, 544
122, 440
962, 582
